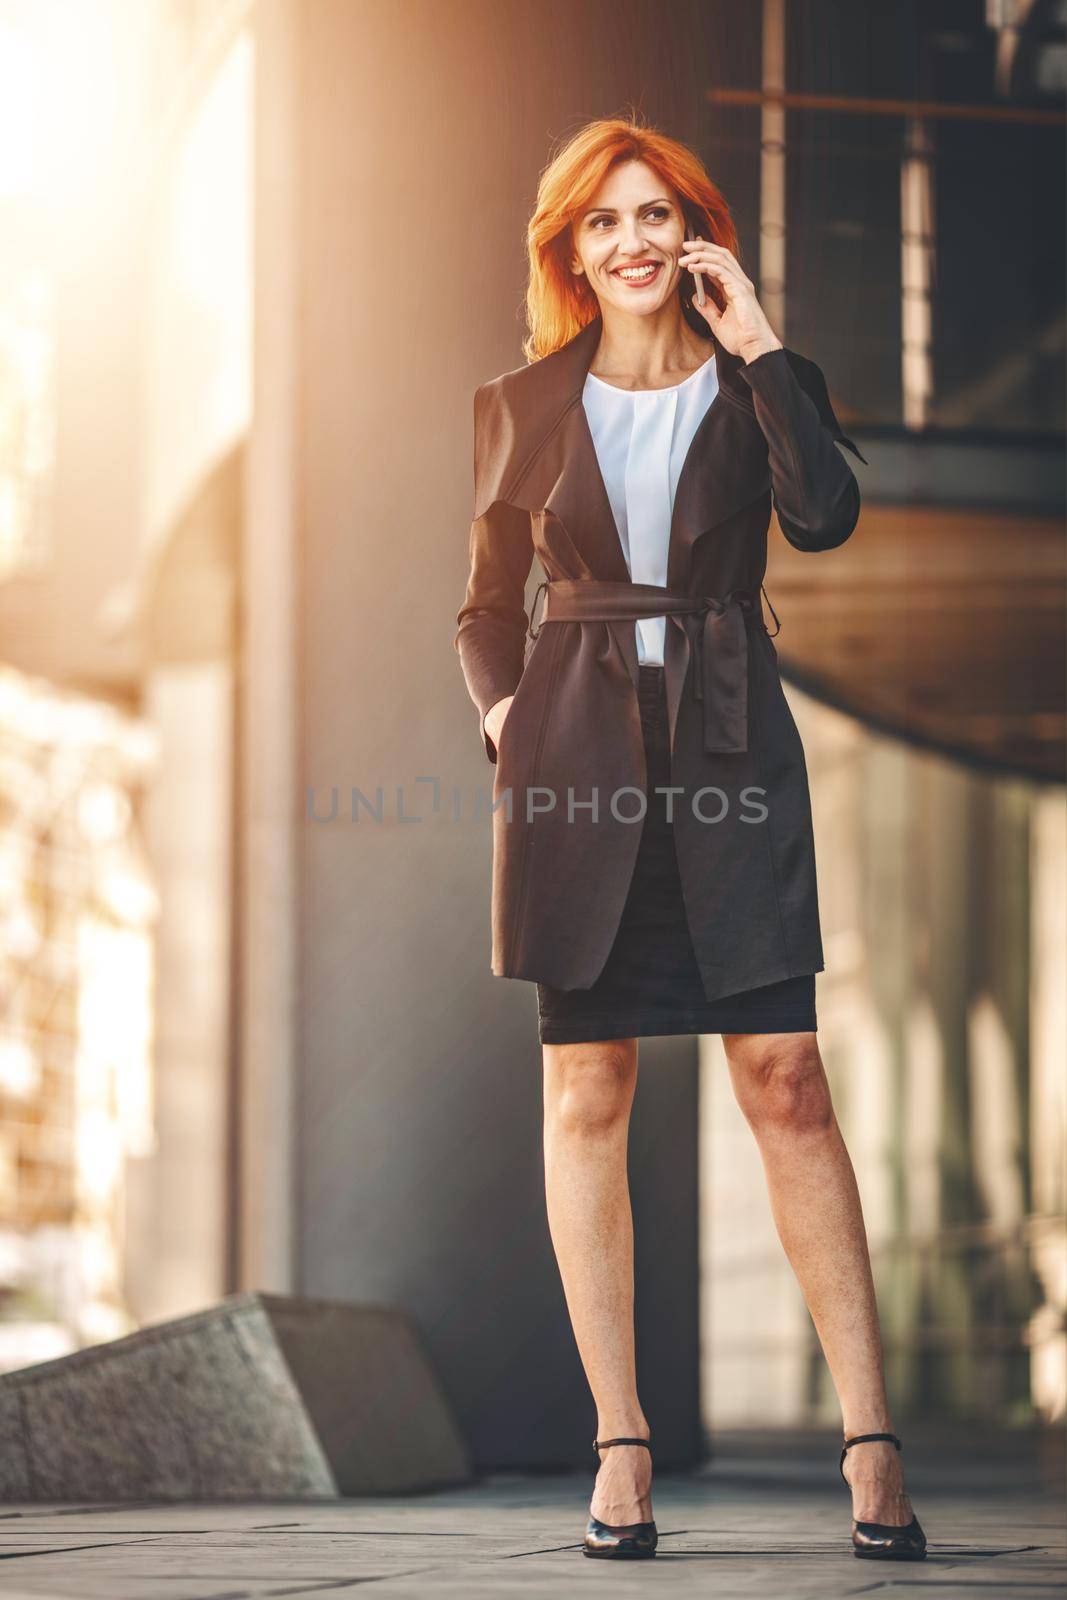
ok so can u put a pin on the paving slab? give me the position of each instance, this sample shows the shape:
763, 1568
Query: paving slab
748, 1524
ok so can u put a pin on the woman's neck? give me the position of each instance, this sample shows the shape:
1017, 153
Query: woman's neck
650, 352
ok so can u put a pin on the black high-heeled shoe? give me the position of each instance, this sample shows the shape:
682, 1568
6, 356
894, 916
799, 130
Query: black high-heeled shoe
634, 1541
884, 1541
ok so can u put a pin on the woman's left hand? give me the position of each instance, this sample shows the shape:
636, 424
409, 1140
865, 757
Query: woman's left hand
742, 327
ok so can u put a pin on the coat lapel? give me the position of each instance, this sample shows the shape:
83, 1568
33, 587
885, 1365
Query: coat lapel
543, 457
550, 461
715, 480
724, 468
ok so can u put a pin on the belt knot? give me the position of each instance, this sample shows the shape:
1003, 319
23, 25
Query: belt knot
715, 627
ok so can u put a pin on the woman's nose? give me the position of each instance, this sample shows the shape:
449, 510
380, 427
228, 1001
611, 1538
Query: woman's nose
633, 243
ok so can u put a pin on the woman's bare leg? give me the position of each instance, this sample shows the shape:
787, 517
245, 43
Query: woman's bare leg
588, 1092
781, 1088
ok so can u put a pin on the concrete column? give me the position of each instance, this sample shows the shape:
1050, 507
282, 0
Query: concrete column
392, 1137
268, 885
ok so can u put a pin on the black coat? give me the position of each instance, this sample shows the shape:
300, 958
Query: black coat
560, 870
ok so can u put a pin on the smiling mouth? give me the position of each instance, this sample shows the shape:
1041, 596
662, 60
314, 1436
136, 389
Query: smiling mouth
639, 275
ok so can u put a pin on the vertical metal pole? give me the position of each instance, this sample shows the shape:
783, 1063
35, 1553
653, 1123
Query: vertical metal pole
917, 269
772, 170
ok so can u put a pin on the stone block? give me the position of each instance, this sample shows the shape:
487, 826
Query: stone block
260, 1397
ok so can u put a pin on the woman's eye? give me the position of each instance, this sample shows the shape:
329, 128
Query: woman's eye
657, 213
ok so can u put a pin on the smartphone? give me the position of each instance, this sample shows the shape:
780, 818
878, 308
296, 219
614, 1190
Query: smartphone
698, 277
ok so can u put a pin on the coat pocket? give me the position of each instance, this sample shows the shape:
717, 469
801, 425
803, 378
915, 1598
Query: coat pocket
527, 710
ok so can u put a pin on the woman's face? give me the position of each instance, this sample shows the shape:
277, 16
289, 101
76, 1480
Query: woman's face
629, 239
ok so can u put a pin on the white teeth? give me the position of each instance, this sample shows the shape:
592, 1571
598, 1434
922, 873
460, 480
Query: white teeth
635, 274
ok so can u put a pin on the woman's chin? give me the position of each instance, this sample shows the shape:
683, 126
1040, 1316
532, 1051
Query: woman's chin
636, 305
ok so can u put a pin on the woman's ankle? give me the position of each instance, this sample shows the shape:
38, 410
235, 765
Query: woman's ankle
867, 1424
626, 1428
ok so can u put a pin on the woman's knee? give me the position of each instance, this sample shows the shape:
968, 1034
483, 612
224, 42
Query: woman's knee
589, 1087
780, 1084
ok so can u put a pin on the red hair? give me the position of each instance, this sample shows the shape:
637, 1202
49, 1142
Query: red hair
558, 303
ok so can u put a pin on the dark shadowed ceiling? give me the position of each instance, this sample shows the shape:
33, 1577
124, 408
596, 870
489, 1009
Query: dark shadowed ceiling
943, 626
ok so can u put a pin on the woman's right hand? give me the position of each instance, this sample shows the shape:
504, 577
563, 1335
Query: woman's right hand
495, 718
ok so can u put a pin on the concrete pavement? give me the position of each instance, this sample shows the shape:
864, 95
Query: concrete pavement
768, 1517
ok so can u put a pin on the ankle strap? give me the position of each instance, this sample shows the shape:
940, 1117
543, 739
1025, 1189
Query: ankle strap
602, 1444
864, 1438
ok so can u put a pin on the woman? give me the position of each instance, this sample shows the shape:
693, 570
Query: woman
638, 455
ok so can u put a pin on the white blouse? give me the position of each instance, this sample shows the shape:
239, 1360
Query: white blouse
642, 437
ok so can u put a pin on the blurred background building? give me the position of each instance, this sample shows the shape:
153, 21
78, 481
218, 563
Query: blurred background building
257, 255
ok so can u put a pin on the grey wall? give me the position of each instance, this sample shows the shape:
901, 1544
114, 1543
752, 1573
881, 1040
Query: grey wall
419, 1179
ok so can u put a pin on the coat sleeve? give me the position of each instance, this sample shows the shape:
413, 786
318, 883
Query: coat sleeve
492, 621
814, 490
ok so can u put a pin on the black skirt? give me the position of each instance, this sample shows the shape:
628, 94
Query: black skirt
650, 983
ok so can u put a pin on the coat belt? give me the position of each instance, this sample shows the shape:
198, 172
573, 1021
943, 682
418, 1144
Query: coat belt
715, 626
